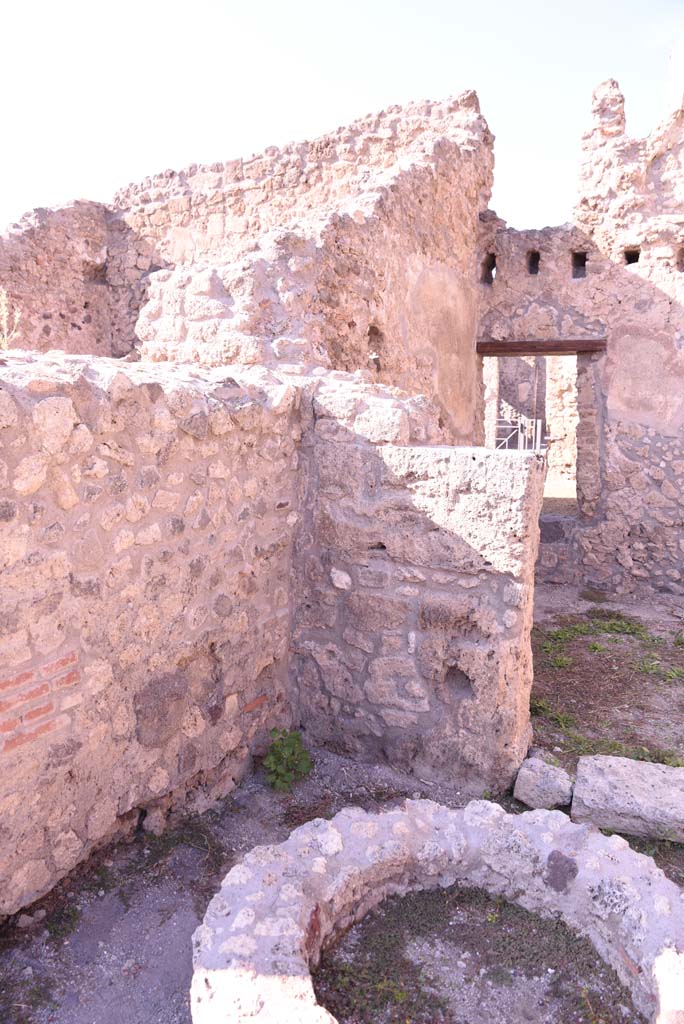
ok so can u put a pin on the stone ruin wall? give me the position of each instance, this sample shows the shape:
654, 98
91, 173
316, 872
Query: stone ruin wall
278, 534
59, 270
357, 251
630, 531
414, 597
146, 542
156, 624
168, 564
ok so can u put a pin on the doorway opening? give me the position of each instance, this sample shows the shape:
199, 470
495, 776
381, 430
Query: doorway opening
532, 404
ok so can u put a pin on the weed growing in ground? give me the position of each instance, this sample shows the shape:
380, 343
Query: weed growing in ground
542, 709
616, 622
594, 1017
561, 661
63, 922
612, 627
581, 745
648, 666
287, 760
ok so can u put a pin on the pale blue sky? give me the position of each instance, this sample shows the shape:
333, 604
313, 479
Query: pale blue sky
96, 96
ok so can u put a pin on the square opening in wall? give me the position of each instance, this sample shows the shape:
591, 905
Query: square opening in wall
533, 259
632, 255
579, 264
488, 268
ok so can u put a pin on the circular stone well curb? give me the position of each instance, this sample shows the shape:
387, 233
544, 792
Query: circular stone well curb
275, 911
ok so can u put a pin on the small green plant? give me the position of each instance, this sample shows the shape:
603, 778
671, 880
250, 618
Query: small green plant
649, 666
594, 1017
287, 760
673, 674
63, 922
596, 648
615, 622
9, 321
567, 633
561, 661
679, 638
586, 745
542, 709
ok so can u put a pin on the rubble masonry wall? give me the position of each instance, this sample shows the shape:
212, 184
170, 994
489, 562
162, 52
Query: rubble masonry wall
145, 544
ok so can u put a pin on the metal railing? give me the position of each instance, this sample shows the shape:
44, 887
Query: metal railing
521, 434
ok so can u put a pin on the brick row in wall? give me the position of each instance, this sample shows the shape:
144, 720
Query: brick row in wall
37, 702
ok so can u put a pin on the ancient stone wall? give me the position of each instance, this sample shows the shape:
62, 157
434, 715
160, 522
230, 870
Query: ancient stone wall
414, 602
180, 570
146, 520
52, 265
357, 251
77, 279
630, 402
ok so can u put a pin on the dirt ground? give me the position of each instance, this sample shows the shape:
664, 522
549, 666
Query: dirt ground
111, 944
560, 496
608, 678
114, 946
461, 957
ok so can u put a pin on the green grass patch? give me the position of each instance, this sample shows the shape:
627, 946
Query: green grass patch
579, 744
561, 661
542, 709
63, 922
587, 746
649, 666
598, 623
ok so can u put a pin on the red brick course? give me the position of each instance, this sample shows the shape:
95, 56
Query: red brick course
68, 679
20, 694
15, 681
53, 667
24, 697
254, 704
29, 737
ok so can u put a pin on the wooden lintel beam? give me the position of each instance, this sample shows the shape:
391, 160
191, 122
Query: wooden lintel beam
541, 347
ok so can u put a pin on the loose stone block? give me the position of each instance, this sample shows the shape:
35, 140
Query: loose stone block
634, 797
539, 784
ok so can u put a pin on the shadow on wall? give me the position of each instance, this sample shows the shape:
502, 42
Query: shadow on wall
161, 532
414, 603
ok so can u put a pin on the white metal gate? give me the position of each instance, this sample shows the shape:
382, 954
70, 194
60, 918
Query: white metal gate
521, 434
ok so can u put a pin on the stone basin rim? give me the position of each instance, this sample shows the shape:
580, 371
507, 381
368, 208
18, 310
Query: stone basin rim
281, 904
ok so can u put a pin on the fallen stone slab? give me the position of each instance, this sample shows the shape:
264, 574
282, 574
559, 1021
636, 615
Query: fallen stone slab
281, 905
542, 785
634, 797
